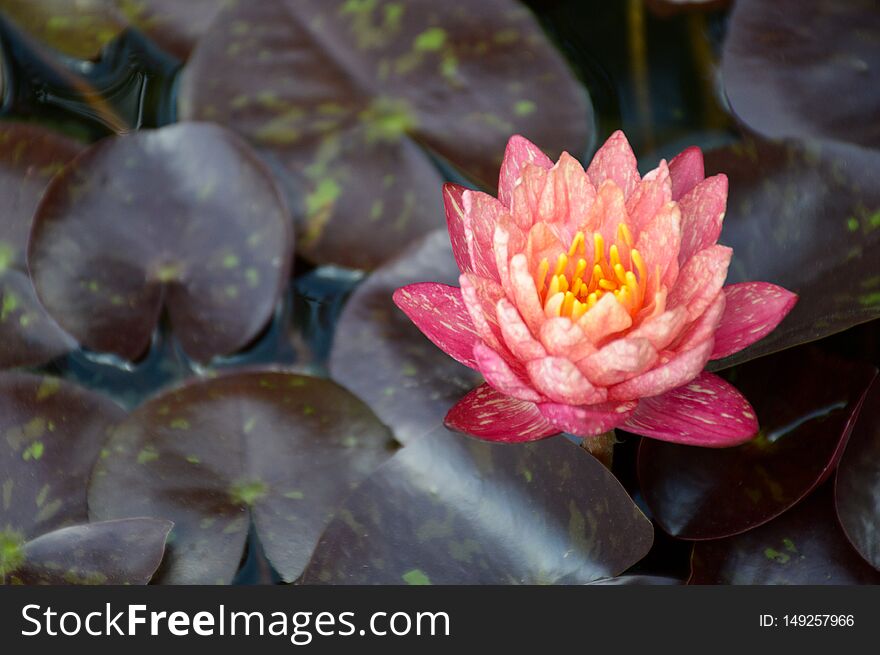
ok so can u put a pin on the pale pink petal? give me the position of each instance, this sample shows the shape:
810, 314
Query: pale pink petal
678, 370
587, 420
700, 280
482, 213
659, 242
606, 213
543, 243
480, 297
527, 195
651, 195
553, 305
519, 151
561, 381
707, 412
438, 311
501, 376
662, 329
563, 338
753, 310
506, 242
703, 328
607, 317
516, 334
686, 170
702, 213
615, 161
524, 293
568, 194
620, 360
455, 223
489, 415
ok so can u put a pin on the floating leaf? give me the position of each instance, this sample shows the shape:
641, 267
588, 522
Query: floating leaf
807, 404
111, 552
383, 358
803, 546
858, 482
345, 98
805, 217
805, 68
183, 217
279, 449
176, 26
29, 157
453, 510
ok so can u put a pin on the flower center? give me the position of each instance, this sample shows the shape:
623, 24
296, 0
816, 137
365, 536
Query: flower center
575, 284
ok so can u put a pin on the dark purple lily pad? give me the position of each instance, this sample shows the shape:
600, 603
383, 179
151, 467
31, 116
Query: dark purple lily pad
278, 449
806, 217
111, 552
176, 26
184, 218
807, 404
29, 157
53, 433
805, 68
453, 510
857, 490
346, 97
803, 546
383, 358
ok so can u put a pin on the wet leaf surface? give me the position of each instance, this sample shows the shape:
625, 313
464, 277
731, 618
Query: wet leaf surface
174, 25
803, 546
278, 449
784, 60
453, 510
805, 217
857, 490
52, 432
385, 360
349, 100
806, 403
29, 157
184, 218
111, 552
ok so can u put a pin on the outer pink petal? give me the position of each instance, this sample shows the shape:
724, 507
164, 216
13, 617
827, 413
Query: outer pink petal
587, 420
438, 311
700, 280
702, 213
562, 382
501, 376
519, 151
607, 317
686, 170
506, 242
524, 293
516, 334
660, 240
482, 213
568, 194
753, 310
607, 212
678, 370
661, 330
489, 415
620, 360
706, 412
527, 195
455, 223
563, 338
615, 161
703, 328
652, 193
480, 297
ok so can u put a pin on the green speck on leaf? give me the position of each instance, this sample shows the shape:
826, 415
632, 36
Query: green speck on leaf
11, 552
230, 261
33, 452
295, 495
416, 577
180, 424
430, 40
776, 556
524, 107
870, 299
147, 455
248, 492
852, 224
7, 255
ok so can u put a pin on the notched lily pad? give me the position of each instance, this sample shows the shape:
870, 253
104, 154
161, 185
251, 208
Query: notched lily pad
803, 546
278, 449
349, 99
807, 404
185, 218
385, 360
453, 510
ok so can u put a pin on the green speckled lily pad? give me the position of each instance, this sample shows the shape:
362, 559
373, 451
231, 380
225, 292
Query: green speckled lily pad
383, 358
278, 449
349, 98
453, 510
807, 404
183, 218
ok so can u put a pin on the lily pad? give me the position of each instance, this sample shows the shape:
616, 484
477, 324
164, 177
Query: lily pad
176, 26
453, 510
111, 552
858, 482
53, 433
278, 449
29, 157
803, 546
350, 99
185, 218
805, 217
806, 403
784, 60
385, 360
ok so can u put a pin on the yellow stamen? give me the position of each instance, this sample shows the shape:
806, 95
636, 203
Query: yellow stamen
614, 255
606, 284
620, 273
554, 286
640, 265
567, 304
592, 299
541, 280
623, 234
577, 245
578, 309
598, 248
561, 264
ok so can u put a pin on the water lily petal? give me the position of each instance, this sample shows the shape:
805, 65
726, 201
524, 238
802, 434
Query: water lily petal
660, 240
662, 329
517, 337
702, 213
455, 223
567, 195
519, 151
482, 213
507, 240
700, 280
438, 310
563, 338
620, 360
490, 415
607, 212
686, 170
753, 310
703, 328
525, 294
587, 420
615, 161
480, 297
651, 194
675, 372
501, 376
707, 412
561, 381
527, 195
607, 317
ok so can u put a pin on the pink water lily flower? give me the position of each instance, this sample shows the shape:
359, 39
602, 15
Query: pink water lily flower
593, 299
